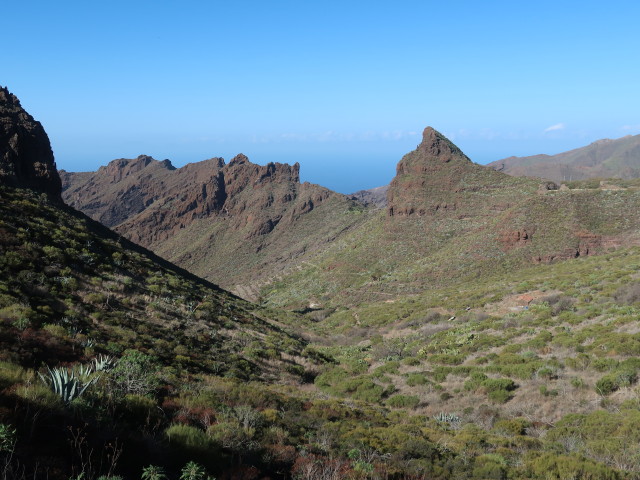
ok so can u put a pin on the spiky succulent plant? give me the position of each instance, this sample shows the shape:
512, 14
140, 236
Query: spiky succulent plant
66, 383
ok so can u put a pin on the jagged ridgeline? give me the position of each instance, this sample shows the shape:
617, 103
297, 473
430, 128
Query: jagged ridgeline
258, 231
236, 224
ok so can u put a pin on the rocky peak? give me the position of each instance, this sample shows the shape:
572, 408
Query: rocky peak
434, 150
239, 159
121, 168
438, 178
26, 158
217, 162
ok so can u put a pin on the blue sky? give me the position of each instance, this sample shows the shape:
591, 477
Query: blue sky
345, 88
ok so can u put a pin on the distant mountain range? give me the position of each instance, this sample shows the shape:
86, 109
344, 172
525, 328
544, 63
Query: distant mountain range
619, 158
259, 232
236, 222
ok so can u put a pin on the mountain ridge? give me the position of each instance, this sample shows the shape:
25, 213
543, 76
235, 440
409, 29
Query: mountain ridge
258, 214
605, 158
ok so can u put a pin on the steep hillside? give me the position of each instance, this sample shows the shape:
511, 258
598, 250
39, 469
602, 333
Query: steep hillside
619, 158
237, 224
449, 220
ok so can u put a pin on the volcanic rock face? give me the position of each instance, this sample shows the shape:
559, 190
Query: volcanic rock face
219, 220
26, 158
514, 238
437, 178
148, 200
374, 196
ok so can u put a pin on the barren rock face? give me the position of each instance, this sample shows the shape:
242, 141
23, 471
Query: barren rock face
149, 200
26, 158
514, 238
437, 178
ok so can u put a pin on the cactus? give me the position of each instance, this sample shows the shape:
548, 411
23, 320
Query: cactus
65, 382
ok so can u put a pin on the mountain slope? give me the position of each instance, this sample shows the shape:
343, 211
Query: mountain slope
449, 220
68, 280
619, 158
237, 224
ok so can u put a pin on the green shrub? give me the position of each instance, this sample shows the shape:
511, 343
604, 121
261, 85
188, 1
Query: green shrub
544, 390
403, 401
7, 438
135, 373
499, 389
549, 466
475, 381
414, 379
10, 374
190, 440
616, 380
489, 467
607, 385
514, 426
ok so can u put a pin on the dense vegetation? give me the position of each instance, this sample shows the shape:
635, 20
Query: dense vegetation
526, 376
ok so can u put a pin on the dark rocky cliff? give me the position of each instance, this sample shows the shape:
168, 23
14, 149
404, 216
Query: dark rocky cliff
26, 158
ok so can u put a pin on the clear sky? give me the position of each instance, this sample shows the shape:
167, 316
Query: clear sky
343, 87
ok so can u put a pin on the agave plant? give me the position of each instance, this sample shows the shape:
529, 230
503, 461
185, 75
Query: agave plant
153, 472
83, 372
103, 362
446, 417
66, 383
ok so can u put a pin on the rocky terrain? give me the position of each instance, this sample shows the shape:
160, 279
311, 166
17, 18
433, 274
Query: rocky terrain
374, 196
438, 179
234, 223
449, 220
26, 158
259, 232
619, 158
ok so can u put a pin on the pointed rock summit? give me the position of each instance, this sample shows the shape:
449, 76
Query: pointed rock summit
26, 158
437, 177
434, 151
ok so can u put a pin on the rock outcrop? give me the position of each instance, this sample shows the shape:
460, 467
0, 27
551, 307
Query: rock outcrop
514, 238
376, 197
149, 200
258, 215
26, 158
437, 178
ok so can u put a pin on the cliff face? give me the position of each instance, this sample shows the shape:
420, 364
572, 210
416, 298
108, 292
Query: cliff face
438, 178
148, 200
26, 158
224, 221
